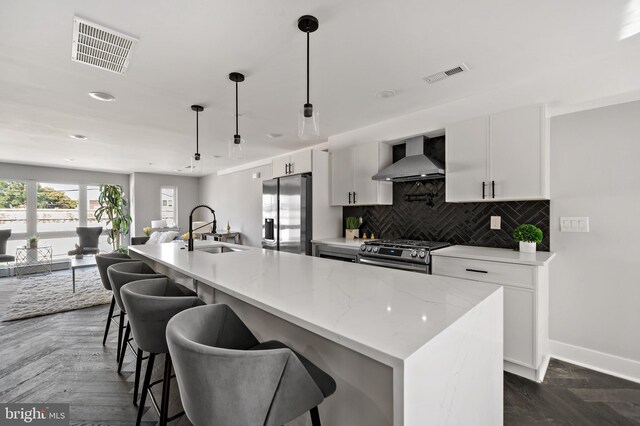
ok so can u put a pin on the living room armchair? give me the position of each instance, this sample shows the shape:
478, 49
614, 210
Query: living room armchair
89, 237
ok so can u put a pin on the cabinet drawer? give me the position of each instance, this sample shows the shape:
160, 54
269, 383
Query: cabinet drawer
479, 270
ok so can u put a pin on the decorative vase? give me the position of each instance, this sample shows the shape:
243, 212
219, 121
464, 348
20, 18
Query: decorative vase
33, 244
79, 256
526, 247
352, 233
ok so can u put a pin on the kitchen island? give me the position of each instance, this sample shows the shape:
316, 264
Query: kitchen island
404, 348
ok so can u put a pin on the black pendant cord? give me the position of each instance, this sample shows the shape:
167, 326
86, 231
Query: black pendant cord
308, 45
237, 108
197, 135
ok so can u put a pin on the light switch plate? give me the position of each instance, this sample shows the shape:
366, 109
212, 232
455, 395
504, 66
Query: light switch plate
574, 224
496, 222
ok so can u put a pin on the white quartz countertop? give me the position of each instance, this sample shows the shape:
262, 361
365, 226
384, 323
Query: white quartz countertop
382, 313
539, 258
347, 242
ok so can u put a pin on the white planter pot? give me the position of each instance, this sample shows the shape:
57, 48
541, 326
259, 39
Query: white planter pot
352, 233
527, 247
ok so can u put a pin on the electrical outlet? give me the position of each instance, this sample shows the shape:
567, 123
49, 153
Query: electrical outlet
574, 224
496, 222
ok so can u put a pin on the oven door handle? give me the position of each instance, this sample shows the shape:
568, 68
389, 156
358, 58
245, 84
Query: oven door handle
395, 265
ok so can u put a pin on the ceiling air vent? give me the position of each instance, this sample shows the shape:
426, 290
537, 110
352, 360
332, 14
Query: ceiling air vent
448, 73
101, 47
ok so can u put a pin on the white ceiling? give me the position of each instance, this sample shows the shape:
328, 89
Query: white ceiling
187, 49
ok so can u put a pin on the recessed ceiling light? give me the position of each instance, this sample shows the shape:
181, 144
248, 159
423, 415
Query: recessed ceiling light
274, 135
384, 94
79, 137
71, 160
102, 96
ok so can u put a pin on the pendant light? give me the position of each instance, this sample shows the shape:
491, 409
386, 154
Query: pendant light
308, 116
196, 164
236, 143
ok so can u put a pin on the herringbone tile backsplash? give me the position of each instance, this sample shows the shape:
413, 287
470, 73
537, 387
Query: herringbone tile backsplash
457, 223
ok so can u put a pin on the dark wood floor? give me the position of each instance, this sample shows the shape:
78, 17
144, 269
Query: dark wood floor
60, 358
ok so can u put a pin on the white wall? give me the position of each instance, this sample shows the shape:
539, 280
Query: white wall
595, 278
145, 198
237, 199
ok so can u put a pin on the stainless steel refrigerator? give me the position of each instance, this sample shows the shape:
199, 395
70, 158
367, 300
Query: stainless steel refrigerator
286, 214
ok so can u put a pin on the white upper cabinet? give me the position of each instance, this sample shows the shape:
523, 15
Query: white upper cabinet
351, 172
466, 148
500, 157
293, 164
341, 177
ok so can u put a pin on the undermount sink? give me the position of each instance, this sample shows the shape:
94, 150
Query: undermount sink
217, 249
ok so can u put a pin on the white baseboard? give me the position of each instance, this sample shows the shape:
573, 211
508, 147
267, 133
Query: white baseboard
624, 368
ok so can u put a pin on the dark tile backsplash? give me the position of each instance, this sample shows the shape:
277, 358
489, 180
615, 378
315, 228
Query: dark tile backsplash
431, 218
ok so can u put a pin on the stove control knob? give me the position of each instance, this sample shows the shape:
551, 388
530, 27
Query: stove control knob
363, 247
375, 249
414, 253
369, 249
422, 254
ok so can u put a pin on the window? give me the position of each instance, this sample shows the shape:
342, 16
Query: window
13, 206
168, 206
57, 207
93, 191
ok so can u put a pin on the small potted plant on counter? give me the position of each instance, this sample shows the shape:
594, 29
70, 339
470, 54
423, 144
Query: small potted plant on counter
353, 227
528, 236
32, 241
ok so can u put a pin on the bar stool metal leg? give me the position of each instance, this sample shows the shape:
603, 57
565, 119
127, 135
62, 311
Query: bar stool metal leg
106, 328
166, 380
137, 381
145, 387
120, 327
124, 346
315, 416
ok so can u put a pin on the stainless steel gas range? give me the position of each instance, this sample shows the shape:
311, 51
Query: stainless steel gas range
410, 255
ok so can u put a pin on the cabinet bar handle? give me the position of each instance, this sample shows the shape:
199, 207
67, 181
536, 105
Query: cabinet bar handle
286, 169
477, 270
493, 189
290, 168
354, 197
483, 185
349, 198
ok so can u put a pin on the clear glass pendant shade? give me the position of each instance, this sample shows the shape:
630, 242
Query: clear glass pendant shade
309, 123
236, 147
196, 164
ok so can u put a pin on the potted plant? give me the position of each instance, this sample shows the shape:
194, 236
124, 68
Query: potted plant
528, 236
147, 230
32, 241
353, 227
113, 204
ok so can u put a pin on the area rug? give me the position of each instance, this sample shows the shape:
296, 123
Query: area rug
49, 294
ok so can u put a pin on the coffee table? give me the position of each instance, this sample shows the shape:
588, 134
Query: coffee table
85, 262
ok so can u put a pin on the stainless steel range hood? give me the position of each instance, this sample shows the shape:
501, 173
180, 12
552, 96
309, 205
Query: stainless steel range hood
415, 166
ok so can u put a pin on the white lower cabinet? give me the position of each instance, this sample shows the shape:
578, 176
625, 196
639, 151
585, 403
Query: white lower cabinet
526, 308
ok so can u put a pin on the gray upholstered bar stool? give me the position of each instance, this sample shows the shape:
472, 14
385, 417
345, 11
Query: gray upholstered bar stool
150, 304
119, 275
104, 261
227, 377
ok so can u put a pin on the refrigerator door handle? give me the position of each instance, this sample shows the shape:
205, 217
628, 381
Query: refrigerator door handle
269, 229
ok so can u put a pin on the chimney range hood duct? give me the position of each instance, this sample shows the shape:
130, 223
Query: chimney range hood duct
415, 166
